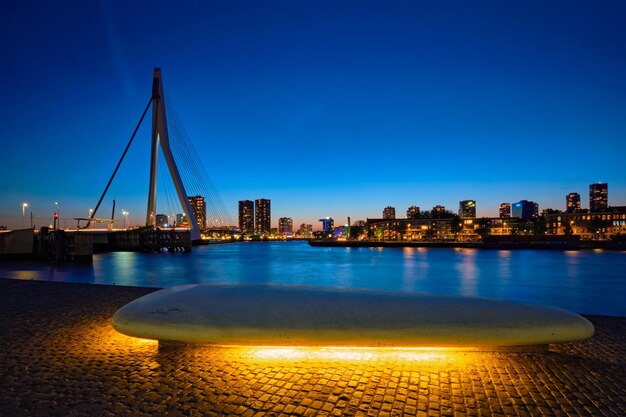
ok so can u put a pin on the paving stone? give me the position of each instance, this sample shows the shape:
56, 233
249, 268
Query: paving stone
60, 356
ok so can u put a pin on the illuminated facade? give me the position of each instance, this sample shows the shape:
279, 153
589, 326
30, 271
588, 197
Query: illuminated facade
246, 216
572, 203
328, 224
413, 212
525, 209
161, 220
306, 230
262, 215
598, 196
438, 211
467, 209
389, 212
181, 220
285, 226
505, 210
588, 224
198, 206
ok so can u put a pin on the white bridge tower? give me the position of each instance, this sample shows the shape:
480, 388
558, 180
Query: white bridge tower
160, 137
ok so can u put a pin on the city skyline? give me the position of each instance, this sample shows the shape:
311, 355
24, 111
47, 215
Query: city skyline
347, 109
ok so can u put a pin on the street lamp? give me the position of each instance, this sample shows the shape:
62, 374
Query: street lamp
24, 205
58, 213
125, 214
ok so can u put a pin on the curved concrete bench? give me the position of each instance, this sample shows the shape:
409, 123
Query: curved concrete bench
284, 315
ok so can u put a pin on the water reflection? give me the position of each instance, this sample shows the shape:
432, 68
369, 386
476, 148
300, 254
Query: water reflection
468, 271
572, 261
583, 281
504, 265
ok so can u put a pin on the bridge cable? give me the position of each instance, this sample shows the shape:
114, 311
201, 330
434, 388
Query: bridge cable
214, 199
195, 168
95, 210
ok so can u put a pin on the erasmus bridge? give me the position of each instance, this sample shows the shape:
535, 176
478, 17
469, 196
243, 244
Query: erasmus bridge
183, 167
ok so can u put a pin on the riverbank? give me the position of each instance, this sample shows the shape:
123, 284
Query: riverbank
60, 356
494, 244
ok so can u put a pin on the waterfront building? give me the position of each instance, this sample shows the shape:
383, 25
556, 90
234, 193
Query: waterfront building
306, 230
198, 206
328, 224
413, 212
598, 196
262, 215
389, 212
181, 220
572, 203
438, 211
161, 220
525, 209
505, 210
588, 224
285, 226
467, 209
246, 216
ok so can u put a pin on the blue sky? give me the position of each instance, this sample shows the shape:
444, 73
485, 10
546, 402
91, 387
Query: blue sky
326, 108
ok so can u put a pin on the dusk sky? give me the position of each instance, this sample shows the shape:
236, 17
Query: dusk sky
328, 108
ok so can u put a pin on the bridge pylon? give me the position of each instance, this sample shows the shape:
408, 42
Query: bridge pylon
160, 139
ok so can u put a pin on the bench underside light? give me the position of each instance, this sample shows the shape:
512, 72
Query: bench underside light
287, 315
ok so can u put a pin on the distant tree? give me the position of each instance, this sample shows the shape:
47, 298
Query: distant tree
567, 228
401, 229
598, 227
456, 226
539, 227
484, 227
355, 232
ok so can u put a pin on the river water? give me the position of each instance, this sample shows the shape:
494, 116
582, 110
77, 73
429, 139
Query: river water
586, 282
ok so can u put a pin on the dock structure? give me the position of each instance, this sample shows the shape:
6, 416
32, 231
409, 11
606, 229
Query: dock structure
143, 239
80, 245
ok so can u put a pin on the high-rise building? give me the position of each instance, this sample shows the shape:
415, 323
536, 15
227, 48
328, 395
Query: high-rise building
389, 213
438, 211
181, 220
572, 203
598, 196
246, 216
413, 212
199, 209
525, 209
467, 209
262, 215
285, 226
328, 224
306, 230
505, 210
161, 220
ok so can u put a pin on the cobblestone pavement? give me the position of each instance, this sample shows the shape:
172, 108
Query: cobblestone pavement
60, 356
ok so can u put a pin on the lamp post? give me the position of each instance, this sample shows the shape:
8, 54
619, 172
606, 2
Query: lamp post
58, 213
125, 214
90, 213
24, 205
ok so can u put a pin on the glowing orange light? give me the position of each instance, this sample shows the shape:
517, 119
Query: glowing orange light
365, 354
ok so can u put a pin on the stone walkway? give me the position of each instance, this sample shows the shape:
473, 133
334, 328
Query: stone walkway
59, 356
